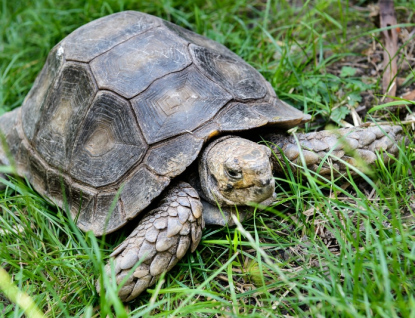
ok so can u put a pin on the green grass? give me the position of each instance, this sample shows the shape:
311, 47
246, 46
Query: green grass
278, 263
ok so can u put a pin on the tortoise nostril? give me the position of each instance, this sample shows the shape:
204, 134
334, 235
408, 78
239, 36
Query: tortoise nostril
265, 182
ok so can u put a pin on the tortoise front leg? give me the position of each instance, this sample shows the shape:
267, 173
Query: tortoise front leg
159, 241
341, 144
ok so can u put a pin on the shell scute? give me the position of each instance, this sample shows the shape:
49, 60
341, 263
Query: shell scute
36, 100
238, 78
109, 142
101, 35
132, 66
177, 103
67, 105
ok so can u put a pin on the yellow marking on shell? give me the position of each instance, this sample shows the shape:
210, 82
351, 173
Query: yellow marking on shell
213, 134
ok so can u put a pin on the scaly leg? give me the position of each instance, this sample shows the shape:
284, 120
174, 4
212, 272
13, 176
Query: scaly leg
341, 143
160, 240
8, 123
9, 136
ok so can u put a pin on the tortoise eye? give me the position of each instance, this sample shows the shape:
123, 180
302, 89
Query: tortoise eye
234, 174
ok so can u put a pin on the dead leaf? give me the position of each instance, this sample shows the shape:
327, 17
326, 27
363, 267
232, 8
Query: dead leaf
409, 95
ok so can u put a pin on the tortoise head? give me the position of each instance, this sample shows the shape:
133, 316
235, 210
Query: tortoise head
236, 171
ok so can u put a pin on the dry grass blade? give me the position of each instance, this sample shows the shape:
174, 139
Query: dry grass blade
20, 298
390, 36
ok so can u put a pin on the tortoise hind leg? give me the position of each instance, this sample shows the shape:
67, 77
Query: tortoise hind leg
159, 241
8, 123
9, 140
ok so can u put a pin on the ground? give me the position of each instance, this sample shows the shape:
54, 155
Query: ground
328, 247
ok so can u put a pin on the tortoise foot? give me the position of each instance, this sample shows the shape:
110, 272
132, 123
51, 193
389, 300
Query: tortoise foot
159, 241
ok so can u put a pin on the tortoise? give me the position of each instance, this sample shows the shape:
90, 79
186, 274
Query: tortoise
133, 115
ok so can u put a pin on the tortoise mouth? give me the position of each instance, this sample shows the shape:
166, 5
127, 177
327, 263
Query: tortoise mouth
246, 195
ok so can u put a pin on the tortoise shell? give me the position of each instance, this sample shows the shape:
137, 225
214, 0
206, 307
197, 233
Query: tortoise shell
124, 104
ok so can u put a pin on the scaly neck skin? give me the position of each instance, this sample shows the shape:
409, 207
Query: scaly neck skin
235, 171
